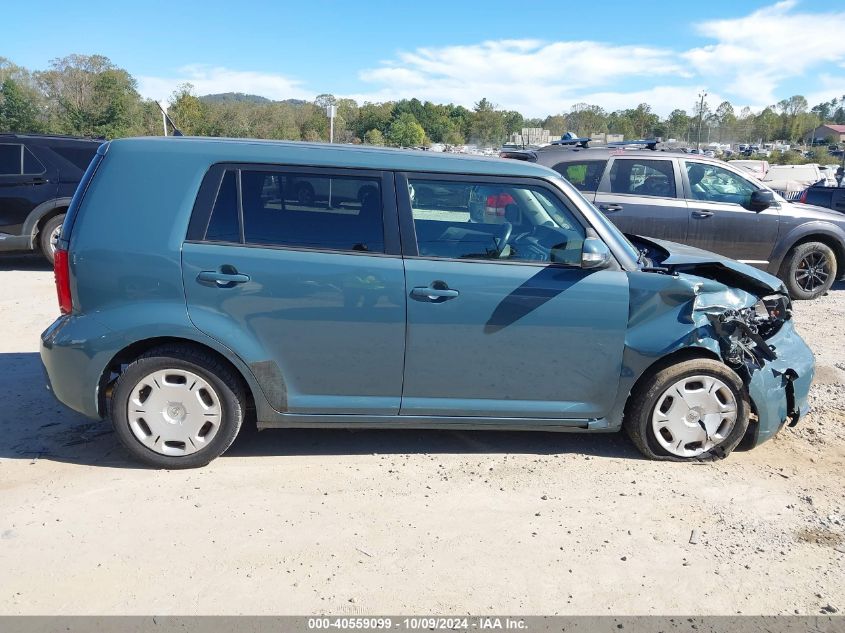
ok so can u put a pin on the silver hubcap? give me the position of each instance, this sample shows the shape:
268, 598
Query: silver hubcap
694, 415
54, 237
812, 272
174, 412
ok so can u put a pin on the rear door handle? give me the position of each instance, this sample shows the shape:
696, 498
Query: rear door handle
702, 214
437, 292
610, 208
222, 279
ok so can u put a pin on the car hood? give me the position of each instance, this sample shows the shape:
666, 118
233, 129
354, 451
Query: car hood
681, 258
812, 212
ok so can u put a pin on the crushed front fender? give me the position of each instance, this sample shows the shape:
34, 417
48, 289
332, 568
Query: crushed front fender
778, 390
753, 335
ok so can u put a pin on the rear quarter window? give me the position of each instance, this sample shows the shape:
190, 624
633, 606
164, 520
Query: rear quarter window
10, 159
584, 175
78, 156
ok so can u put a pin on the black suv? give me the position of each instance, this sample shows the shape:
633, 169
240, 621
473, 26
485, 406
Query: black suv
38, 175
707, 203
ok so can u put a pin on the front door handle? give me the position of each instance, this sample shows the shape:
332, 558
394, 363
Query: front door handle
702, 214
226, 277
610, 208
437, 292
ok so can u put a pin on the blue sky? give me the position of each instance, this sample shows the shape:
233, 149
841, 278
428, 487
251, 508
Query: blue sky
538, 57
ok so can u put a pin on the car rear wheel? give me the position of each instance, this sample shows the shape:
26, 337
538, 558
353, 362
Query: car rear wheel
809, 270
49, 236
177, 407
696, 410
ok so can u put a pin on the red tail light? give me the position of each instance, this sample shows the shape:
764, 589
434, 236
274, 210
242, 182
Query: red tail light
62, 274
803, 197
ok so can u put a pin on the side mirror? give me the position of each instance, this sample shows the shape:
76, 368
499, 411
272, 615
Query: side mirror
595, 253
761, 200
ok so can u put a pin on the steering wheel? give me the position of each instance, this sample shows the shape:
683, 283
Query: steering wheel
503, 236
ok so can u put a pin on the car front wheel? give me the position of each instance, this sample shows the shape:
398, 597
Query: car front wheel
177, 407
695, 410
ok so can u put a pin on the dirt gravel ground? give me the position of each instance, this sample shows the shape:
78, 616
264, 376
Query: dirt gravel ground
307, 521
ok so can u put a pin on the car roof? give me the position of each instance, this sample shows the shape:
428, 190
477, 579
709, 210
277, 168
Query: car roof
46, 139
219, 150
571, 154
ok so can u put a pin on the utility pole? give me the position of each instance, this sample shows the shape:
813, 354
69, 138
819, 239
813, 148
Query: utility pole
163, 117
331, 112
700, 116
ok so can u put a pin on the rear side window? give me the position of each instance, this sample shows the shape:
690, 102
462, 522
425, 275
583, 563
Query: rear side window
79, 156
224, 225
10, 160
299, 210
643, 177
15, 159
32, 165
584, 175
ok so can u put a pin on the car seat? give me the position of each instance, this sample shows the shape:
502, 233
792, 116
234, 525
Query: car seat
695, 174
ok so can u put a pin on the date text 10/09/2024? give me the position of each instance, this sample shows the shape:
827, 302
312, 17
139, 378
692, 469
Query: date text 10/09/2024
417, 623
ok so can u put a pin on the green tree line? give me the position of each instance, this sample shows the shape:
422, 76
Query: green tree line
88, 95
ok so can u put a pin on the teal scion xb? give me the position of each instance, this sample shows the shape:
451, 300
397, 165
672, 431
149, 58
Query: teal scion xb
205, 282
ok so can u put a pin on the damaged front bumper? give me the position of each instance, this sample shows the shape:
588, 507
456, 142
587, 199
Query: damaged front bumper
760, 343
778, 389
698, 299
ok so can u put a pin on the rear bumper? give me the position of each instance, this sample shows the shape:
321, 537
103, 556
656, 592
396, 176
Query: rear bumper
779, 389
72, 366
15, 242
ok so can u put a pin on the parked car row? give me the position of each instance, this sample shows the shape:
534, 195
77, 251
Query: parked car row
709, 204
829, 197
439, 291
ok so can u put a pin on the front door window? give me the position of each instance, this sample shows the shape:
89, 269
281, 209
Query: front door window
715, 184
491, 221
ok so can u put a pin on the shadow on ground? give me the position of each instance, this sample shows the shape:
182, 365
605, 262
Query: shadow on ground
33, 426
24, 262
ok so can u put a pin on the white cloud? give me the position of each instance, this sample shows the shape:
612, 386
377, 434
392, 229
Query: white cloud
210, 80
749, 61
829, 87
756, 53
531, 76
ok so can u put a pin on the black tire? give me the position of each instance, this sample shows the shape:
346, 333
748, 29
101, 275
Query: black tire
804, 269
305, 194
226, 383
44, 236
644, 398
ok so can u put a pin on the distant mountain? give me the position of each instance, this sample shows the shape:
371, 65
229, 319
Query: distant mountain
229, 97
233, 96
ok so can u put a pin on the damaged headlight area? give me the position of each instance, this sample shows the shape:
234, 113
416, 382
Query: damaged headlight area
743, 332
